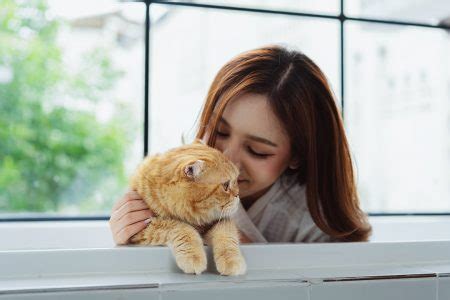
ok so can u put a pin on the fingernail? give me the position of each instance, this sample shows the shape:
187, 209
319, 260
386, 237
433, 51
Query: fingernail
147, 220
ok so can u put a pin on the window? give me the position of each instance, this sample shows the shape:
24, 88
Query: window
71, 90
201, 41
397, 112
77, 112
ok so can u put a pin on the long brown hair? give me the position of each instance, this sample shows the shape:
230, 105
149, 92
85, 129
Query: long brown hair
301, 98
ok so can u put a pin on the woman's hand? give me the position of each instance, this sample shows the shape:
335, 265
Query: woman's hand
128, 217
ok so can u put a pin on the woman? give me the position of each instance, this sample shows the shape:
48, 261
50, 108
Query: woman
272, 112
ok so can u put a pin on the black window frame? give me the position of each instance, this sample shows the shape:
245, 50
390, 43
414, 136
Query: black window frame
342, 18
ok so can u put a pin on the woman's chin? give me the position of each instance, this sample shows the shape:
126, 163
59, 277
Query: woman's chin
243, 192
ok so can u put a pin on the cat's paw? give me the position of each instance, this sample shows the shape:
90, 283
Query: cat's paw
231, 264
138, 238
193, 262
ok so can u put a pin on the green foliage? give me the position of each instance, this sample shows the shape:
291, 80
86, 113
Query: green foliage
53, 157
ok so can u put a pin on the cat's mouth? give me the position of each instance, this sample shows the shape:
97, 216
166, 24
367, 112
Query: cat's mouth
231, 207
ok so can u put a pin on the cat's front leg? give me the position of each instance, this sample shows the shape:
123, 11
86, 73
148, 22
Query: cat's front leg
185, 242
224, 239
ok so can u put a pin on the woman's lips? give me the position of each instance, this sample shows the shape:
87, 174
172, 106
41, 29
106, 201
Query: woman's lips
242, 180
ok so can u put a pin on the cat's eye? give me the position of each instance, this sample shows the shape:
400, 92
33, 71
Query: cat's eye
189, 171
226, 185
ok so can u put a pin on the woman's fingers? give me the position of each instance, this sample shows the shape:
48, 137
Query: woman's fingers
129, 219
122, 237
130, 195
127, 207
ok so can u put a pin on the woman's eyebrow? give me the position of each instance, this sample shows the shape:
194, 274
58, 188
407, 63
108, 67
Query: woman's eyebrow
253, 137
260, 140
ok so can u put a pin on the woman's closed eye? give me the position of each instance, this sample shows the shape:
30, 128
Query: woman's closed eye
222, 134
257, 154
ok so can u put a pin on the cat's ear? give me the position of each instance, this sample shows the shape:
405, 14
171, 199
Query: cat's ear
193, 170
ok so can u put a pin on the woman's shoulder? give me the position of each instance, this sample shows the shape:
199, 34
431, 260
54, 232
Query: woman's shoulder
292, 203
291, 194
288, 202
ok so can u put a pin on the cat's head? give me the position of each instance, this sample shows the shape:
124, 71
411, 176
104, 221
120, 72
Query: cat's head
206, 181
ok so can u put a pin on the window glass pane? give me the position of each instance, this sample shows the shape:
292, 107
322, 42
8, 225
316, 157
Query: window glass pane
190, 45
397, 112
306, 6
418, 11
71, 85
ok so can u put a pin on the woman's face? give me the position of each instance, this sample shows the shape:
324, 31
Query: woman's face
251, 136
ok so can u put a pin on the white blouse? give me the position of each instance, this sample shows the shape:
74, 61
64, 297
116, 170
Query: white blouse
281, 215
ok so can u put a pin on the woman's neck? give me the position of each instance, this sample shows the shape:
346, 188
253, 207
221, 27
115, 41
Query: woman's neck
248, 201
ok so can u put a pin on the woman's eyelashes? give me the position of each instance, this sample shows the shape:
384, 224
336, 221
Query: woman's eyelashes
259, 155
249, 149
221, 134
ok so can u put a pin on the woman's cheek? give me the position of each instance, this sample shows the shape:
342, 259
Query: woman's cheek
273, 167
264, 169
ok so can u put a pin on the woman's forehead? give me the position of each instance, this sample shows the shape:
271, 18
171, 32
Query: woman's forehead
251, 114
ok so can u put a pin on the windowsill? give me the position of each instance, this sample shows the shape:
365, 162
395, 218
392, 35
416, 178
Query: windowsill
274, 265
81, 256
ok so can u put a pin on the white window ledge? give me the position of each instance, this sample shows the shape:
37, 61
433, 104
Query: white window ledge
418, 270
51, 260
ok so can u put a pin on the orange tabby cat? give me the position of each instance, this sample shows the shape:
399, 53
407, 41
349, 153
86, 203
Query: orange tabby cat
191, 188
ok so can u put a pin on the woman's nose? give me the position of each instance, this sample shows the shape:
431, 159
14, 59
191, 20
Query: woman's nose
232, 153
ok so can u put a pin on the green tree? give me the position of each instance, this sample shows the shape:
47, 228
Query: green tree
52, 156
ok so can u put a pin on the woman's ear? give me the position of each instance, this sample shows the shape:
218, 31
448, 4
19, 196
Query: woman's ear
294, 164
194, 170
